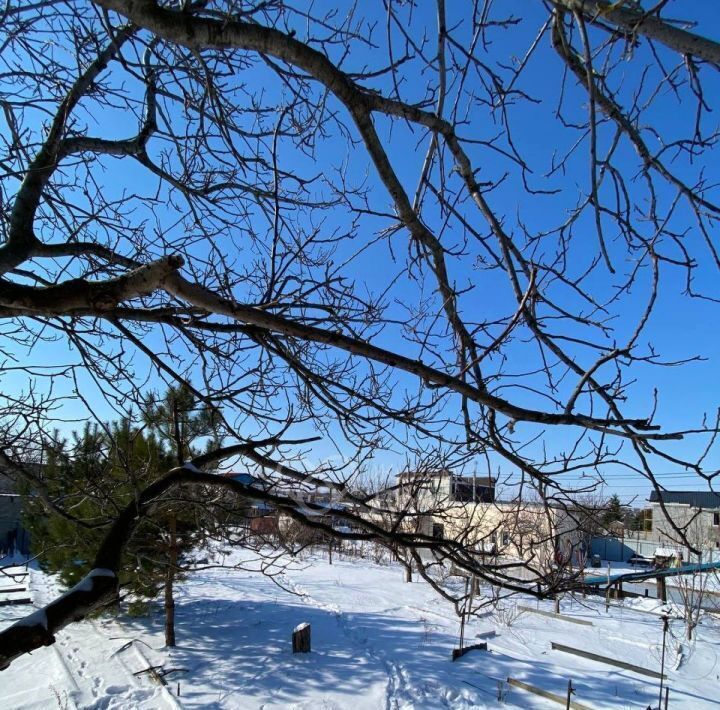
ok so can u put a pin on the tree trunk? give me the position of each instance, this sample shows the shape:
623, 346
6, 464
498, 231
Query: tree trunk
408, 573
169, 608
169, 579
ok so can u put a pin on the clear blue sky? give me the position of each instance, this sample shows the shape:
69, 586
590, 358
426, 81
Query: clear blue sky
680, 327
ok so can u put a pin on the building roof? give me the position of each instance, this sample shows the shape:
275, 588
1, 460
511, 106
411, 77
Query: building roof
695, 499
247, 479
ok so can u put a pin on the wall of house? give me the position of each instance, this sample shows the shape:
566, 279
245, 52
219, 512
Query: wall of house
702, 532
518, 530
420, 495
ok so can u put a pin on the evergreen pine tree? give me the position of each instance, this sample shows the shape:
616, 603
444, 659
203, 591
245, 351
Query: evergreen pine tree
95, 475
613, 510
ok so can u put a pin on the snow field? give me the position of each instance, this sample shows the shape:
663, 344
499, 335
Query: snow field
377, 642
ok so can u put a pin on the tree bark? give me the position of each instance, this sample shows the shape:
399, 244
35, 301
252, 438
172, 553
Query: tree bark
647, 24
301, 639
169, 581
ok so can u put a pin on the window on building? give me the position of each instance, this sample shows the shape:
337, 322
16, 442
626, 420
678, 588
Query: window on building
647, 520
716, 519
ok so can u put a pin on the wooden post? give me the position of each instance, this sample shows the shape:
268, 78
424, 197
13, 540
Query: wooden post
462, 615
301, 638
570, 691
662, 590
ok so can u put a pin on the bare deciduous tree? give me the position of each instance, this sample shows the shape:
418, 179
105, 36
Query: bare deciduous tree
371, 229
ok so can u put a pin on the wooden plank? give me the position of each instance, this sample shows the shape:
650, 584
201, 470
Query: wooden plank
16, 600
560, 699
651, 612
604, 659
553, 615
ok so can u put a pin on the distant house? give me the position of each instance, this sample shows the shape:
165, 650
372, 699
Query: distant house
696, 512
465, 508
317, 503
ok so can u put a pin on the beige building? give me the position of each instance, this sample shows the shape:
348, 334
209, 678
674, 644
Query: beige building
464, 508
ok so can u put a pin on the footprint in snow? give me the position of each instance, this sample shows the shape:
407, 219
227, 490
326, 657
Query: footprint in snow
116, 689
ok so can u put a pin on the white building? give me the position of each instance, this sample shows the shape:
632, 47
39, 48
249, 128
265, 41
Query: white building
697, 513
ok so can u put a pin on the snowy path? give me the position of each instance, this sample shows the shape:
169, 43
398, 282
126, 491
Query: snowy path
81, 670
397, 691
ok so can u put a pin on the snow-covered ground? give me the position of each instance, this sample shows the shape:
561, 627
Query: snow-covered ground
377, 642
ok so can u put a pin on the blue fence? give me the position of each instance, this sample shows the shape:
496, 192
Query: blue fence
617, 549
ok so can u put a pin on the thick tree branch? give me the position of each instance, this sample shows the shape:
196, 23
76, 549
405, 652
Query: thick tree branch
89, 296
633, 19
